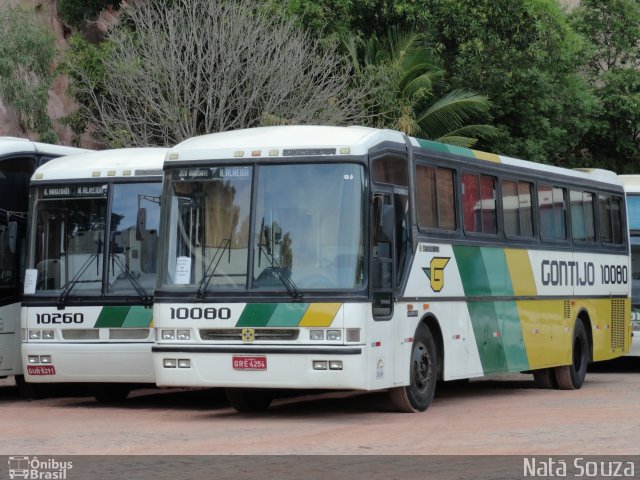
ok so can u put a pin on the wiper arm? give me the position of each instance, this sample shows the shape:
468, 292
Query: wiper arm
147, 300
283, 276
217, 257
75, 280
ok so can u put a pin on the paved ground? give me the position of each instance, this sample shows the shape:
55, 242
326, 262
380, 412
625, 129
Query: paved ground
507, 415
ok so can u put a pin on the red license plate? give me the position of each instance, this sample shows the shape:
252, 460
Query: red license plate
242, 362
41, 370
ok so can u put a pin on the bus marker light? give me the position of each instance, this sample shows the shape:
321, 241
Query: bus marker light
345, 151
376, 344
316, 335
45, 358
496, 334
173, 156
273, 153
456, 337
425, 306
34, 359
111, 173
256, 153
169, 363
184, 363
320, 365
126, 173
334, 335
95, 173
335, 365
238, 153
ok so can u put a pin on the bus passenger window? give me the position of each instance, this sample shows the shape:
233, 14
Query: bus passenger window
582, 221
516, 204
610, 215
479, 203
552, 213
391, 170
436, 197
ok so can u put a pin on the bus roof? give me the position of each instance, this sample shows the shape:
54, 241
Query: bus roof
631, 183
104, 164
274, 141
354, 140
14, 145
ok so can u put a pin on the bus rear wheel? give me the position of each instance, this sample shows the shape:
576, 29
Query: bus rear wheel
545, 378
423, 373
249, 400
571, 377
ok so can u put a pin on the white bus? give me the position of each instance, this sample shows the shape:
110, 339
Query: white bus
91, 270
312, 257
18, 160
632, 188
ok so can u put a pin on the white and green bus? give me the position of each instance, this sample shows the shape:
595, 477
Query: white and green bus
18, 160
311, 257
91, 270
632, 189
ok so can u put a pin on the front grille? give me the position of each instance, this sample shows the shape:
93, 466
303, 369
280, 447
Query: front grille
81, 334
261, 334
617, 324
129, 333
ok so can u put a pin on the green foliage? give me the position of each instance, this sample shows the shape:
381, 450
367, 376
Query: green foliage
74, 12
409, 86
26, 54
84, 62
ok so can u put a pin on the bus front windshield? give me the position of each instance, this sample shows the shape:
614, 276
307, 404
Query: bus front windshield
71, 239
305, 230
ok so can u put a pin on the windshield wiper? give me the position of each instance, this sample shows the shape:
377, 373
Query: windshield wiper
76, 279
217, 256
282, 275
147, 300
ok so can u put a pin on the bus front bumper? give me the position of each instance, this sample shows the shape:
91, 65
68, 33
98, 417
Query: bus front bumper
87, 362
336, 367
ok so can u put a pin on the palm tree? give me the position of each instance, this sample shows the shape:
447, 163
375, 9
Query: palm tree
403, 69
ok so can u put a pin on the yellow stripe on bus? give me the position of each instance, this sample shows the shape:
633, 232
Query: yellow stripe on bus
491, 157
520, 271
320, 315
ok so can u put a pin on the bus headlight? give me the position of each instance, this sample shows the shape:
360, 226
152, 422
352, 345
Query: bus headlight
35, 334
334, 335
316, 335
168, 334
183, 335
48, 335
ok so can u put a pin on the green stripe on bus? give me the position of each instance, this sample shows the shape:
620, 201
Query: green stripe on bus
288, 314
112, 317
138, 317
441, 147
484, 272
256, 314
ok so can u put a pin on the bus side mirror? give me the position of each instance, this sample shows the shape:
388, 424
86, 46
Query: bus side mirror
141, 224
12, 237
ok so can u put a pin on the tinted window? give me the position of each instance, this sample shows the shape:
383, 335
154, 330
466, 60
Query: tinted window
435, 197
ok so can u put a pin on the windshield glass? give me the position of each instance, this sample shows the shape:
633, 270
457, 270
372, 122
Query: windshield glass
208, 230
308, 228
69, 238
135, 217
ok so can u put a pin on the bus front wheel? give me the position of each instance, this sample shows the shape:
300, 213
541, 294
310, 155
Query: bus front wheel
571, 377
423, 373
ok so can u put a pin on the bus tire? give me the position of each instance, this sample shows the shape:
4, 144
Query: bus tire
109, 392
32, 391
249, 399
571, 377
423, 375
545, 378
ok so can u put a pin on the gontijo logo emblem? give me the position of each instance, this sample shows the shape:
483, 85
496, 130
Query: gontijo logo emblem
435, 272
